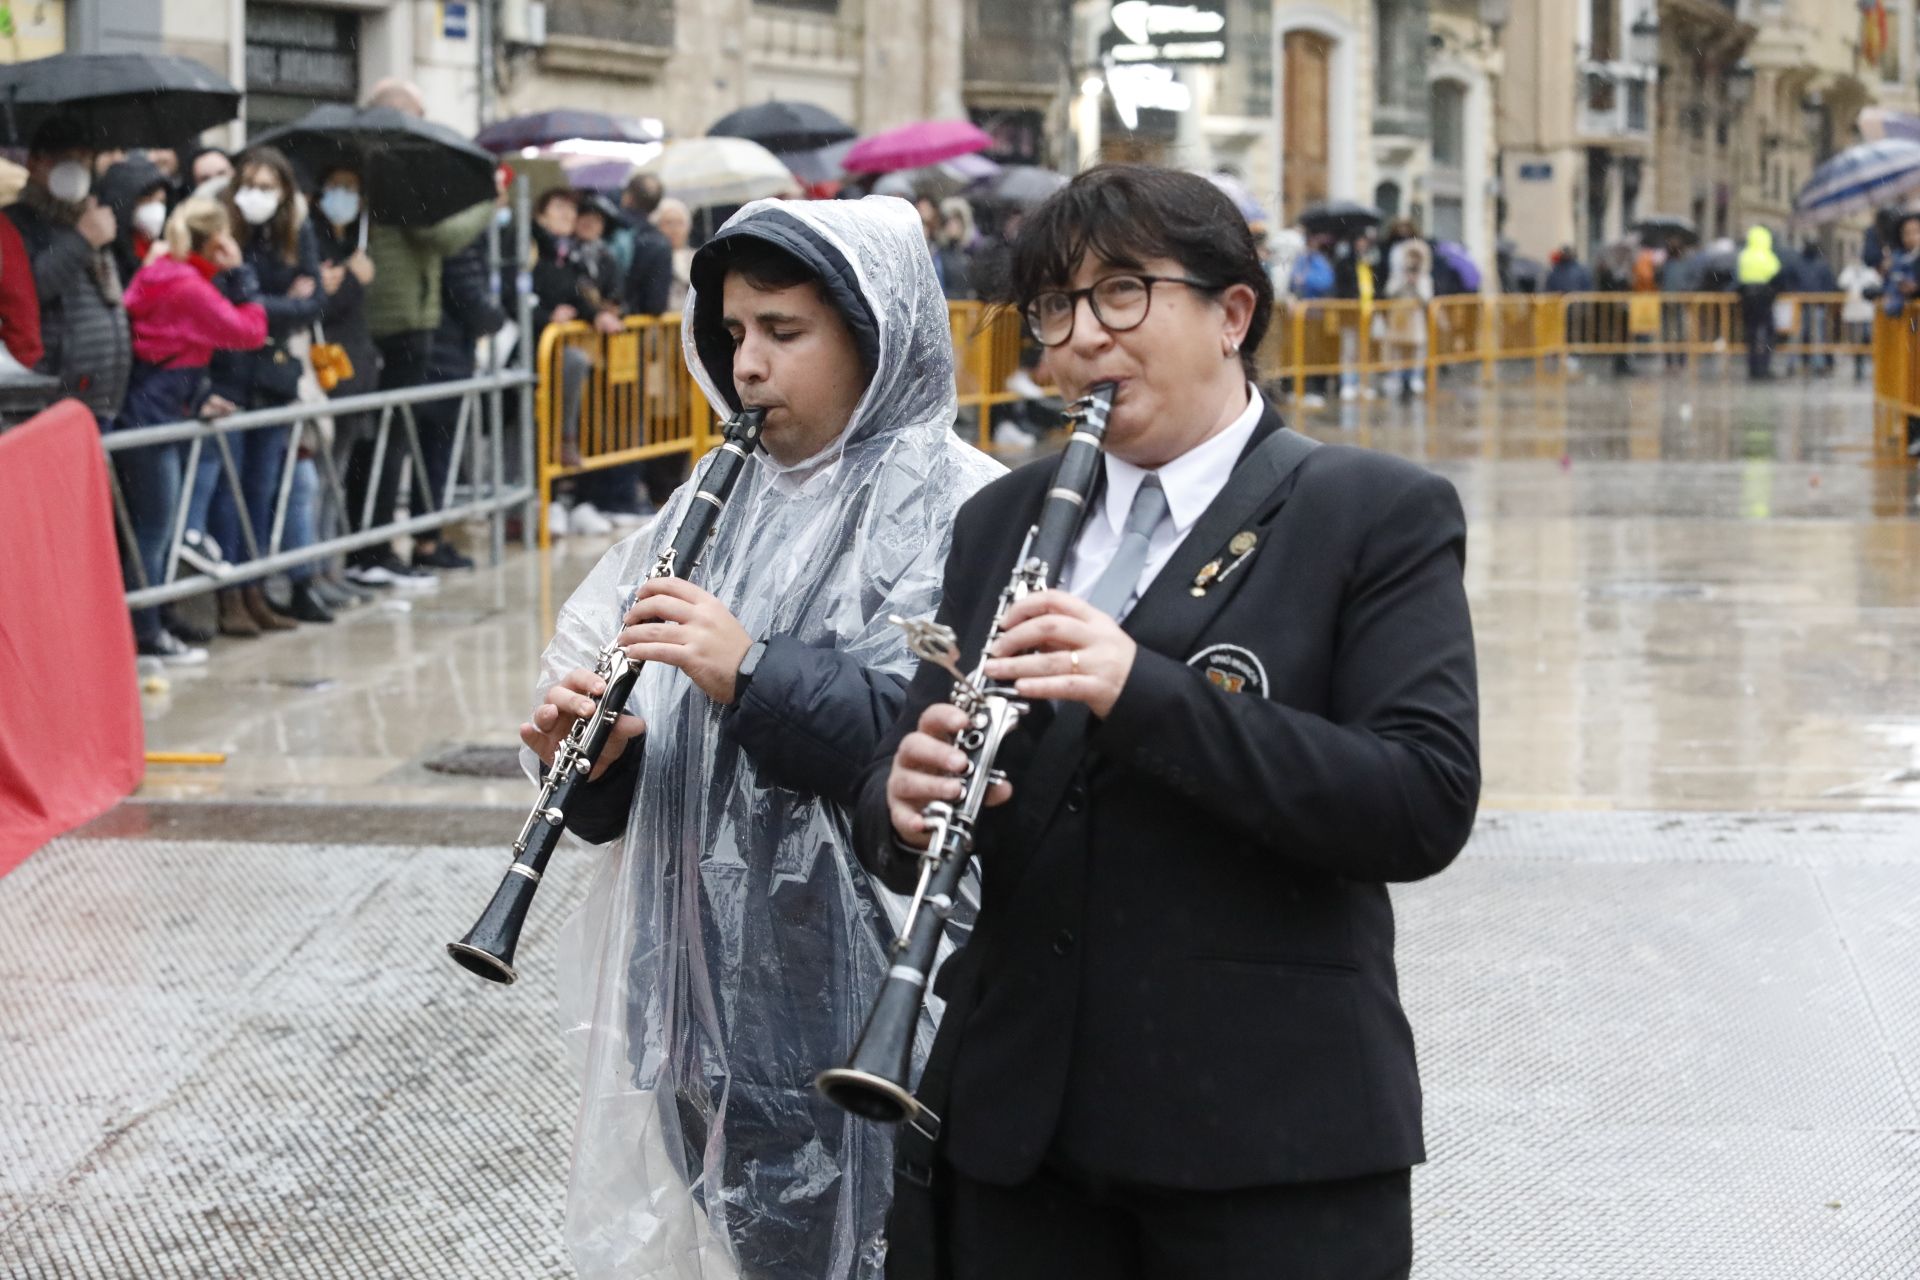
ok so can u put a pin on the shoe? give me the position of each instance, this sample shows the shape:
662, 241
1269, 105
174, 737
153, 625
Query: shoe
623, 522
406, 577
203, 555
1418, 386
558, 525
254, 598
1349, 394
586, 518
183, 629
371, 574
1021, 383
173, 651
1312, 400
443, 556
307, 606
1012, 436
234, 618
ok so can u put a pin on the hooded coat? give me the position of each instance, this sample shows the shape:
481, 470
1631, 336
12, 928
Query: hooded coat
1758, 264
732, 945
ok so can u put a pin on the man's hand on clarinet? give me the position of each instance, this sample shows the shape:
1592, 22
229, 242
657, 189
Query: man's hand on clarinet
566, 703
677, 623
1056, 645
927, 767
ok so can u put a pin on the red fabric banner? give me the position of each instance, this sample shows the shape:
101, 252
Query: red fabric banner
71, 742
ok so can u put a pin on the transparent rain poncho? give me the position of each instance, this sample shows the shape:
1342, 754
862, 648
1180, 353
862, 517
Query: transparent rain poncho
731, 945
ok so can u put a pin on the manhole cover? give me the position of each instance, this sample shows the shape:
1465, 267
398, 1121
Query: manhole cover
475, 761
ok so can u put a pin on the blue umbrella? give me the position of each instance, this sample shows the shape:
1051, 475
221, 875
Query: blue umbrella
1860, 178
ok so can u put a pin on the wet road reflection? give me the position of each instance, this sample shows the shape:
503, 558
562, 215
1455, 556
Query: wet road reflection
1689, 592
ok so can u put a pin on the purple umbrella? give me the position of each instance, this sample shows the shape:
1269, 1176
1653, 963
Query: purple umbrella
913, 146
1462, 263
544, 128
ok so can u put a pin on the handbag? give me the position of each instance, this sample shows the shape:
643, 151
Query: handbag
331, 363
276, 371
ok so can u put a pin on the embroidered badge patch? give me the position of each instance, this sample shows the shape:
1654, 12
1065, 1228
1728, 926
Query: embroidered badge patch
1232, 668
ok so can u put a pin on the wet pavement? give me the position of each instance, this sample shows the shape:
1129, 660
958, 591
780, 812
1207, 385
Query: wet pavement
1665, 1002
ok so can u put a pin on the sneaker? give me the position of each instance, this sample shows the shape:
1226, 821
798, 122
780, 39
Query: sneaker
371, 574
586, 518
1349, 394
1011, 436
203, 555
1021, 383
1313, 400
443, 556
623, 521
558, 525
407, 577
173, 651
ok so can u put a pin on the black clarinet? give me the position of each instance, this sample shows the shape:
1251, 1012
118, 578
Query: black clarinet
488, 947
874, 1083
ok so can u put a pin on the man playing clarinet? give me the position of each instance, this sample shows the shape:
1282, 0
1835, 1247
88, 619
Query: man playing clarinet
1174, 1047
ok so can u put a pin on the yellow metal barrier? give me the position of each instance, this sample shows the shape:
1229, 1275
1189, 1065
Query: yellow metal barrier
1896, 378
986, 352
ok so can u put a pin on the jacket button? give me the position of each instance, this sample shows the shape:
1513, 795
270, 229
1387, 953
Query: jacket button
1063, 942
1076, 799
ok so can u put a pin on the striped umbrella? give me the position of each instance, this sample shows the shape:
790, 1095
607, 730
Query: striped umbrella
1860, 178
1875, 123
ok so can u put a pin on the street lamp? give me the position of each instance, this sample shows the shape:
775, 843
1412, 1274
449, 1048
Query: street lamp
1644, 42
1740, 84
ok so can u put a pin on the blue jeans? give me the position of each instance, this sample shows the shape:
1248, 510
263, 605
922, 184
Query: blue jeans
258, 457
151, 479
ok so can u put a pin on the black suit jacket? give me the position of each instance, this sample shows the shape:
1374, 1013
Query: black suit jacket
1182, 973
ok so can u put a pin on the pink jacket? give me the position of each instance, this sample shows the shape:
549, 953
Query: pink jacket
179, 319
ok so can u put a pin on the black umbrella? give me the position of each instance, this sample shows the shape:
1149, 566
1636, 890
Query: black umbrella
544, 128
822, 164
1341, 217
416, 172
114, 99
1021, 185
784, 126
1662, 227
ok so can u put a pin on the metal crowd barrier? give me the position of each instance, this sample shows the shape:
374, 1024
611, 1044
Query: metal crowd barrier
1896, 379
476, 484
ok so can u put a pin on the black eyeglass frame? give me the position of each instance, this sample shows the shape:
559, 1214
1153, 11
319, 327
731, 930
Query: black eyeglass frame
1073, 297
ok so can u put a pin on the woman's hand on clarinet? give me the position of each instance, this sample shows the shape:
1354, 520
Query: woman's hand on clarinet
1056, 645
928, 767
568, 702
677, 623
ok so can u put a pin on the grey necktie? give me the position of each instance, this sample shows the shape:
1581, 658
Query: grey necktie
1113, 593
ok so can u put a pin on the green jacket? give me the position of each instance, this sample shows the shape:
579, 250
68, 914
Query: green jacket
405, 294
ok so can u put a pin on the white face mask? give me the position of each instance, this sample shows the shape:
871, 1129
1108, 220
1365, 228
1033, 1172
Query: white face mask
70, 180
340, 205
150, 219
256, 204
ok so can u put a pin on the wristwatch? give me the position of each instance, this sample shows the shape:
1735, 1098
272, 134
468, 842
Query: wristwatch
748, 665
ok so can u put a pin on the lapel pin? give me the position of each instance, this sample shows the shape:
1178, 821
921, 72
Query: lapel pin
1202, 579
1243, 542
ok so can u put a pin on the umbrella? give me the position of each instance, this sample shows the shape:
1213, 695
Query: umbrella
709, 171
1876, 123
1661, 227
116, 99
1456, 256
1022, 186
937, 181
1243, 200
1872, 173
1527, 275
416, 172
1341, 217
595, 173
821, 164
544, 128
784, 126
914, 146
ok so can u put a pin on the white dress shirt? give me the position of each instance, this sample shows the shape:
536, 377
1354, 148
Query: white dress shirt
1192, 481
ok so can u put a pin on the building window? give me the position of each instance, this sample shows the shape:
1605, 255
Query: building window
1449, 107
1604, 17
1449, 219
811, 6
1386, 198
298, 59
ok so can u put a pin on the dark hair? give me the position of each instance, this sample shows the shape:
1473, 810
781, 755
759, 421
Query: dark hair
552, 194
62, 133
644, 192
1129, 214
284, 226
762, 264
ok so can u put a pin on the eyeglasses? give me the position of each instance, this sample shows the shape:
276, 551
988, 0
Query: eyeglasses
1119, 303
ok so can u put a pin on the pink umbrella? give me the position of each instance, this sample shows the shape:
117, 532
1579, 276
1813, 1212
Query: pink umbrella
912, 146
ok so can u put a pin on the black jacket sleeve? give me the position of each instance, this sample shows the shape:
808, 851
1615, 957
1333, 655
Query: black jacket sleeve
812, 718
466, 295
1384, 787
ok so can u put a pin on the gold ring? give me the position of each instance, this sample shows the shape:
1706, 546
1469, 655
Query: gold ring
1073, 660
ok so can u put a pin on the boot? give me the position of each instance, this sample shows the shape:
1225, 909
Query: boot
306, 604
184, 627
234, 620
255, 599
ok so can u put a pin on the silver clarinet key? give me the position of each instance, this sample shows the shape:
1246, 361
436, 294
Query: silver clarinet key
931, 642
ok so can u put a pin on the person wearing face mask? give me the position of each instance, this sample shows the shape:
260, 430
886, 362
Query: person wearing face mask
136, 191
1174, 1045
269, 218
68, 237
